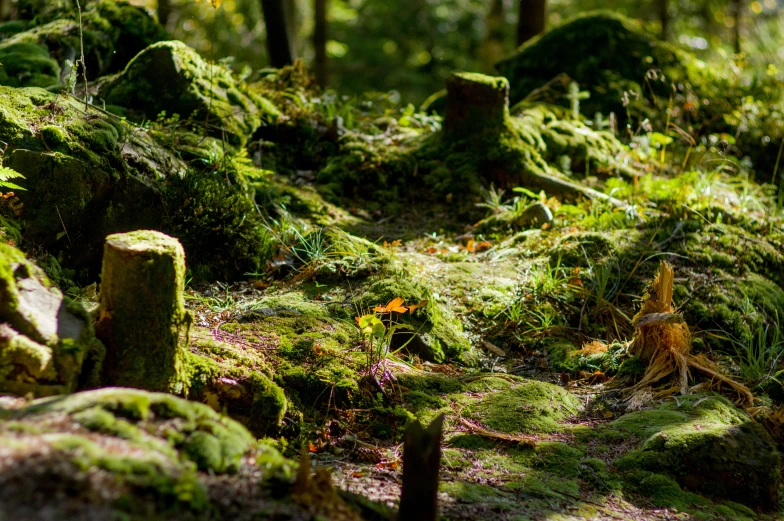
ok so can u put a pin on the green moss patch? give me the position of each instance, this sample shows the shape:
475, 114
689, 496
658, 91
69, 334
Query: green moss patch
529, 407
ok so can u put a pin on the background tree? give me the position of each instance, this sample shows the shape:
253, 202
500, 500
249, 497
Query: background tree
164, 11
532, 19
664, 18
493, 46
736, 10
279, 42
320, 41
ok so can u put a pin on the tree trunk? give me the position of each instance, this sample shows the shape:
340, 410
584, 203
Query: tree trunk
493, 46
320, 41
664, 19
421, 463
164, 10
737, 14
532, 19
475, 104
6, 10
142, 311
279, 43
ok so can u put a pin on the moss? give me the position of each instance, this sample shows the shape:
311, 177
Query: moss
625, 53
437, 333
142, 317
27, 65
417, 401
171, 77
558, 458
46, 337
707, 445
269, 404
111, 32
212, 442
530, 407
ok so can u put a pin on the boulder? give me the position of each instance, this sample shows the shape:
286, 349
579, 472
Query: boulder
123, 452
112, 33
171, 77
47, 343
621, 54
708, 446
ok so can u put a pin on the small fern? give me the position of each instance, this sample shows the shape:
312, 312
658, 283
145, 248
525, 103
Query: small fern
6, 174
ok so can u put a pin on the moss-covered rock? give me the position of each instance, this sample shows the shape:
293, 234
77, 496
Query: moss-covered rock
623, 53
111, 32
436, 334
45, 338
88, 175
708, 446
171, 77
140, 455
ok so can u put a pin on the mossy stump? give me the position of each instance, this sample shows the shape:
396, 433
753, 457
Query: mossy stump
142, 312
475, 103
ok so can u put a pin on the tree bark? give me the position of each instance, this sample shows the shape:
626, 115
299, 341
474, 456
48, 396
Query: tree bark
6, 10
279, 42
421, 463
164, 11
475, 104
142, 312
493, 46
532, 19
320, 41
664, 19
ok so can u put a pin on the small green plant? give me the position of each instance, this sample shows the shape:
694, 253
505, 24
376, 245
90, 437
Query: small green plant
377, 335
759, 353
6, 174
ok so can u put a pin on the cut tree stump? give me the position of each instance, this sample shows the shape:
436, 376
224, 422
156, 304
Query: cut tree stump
421, 463
475, 103
142, 315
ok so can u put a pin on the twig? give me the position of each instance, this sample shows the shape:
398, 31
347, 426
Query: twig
64, 228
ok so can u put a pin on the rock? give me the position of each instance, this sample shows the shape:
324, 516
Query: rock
128, 452
708, 446
538, 214
622, 53
44, 337
141, 316
171, 77
113, 32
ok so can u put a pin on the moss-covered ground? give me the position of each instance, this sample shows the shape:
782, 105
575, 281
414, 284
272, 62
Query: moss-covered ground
353, 266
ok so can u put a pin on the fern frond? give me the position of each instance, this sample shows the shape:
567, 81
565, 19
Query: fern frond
6, 174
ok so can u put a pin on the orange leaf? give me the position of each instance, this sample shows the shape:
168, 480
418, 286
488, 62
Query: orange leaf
483, 246
395, 305
470, 246
414, 307
312, 447
432, 250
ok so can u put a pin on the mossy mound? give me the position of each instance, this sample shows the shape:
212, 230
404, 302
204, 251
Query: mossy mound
112, 33
436, 334
47, 342
708, 446
88, 175
123, 452
529, 407
622, 54
171, 77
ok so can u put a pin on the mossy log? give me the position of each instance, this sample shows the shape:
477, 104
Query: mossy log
142, 315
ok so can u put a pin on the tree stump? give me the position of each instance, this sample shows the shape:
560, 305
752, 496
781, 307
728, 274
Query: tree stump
421, 463
475, 103
142, 312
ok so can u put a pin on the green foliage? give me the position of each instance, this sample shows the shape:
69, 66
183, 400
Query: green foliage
6, 174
